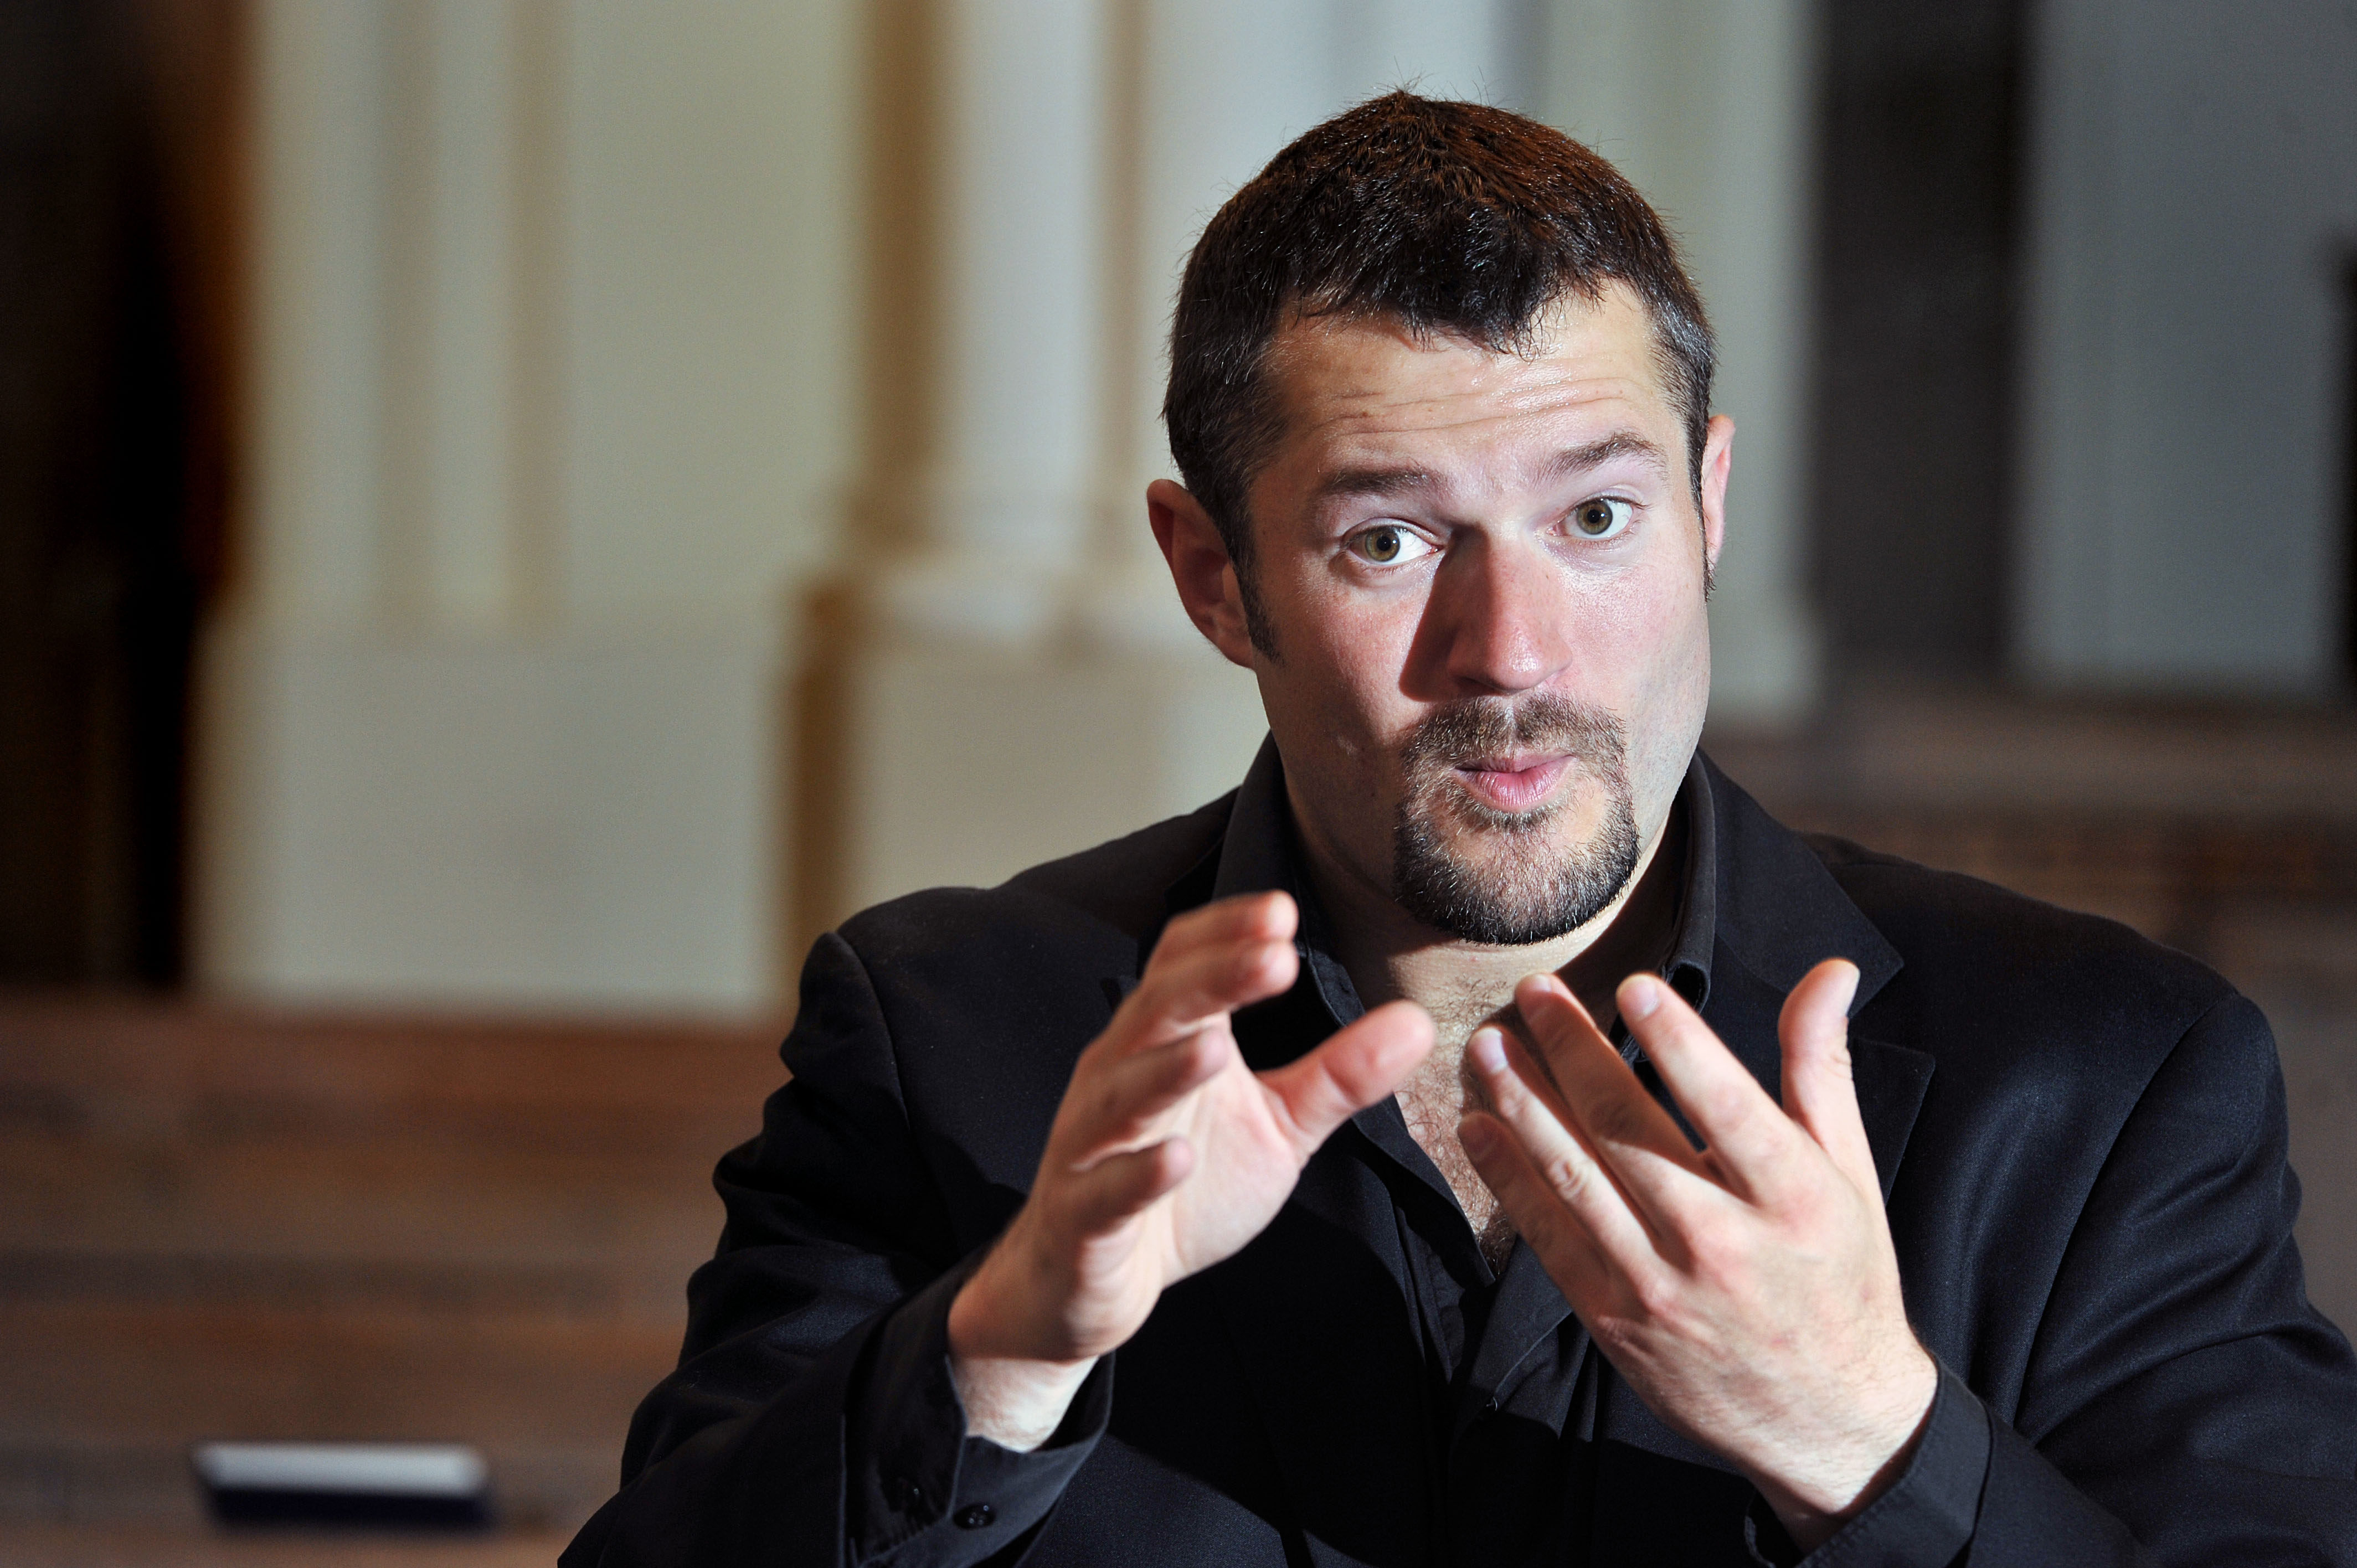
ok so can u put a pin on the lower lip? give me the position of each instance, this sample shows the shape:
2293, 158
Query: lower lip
1518, 789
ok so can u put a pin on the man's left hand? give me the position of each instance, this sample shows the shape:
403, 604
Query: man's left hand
1748, 1291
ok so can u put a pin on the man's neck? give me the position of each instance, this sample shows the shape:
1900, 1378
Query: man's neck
1462, 984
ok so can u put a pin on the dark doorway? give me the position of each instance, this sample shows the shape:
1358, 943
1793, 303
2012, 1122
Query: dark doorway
1919, 143
115, 175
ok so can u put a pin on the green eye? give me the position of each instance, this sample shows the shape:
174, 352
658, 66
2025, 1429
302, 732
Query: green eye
1388, 544
1601, 518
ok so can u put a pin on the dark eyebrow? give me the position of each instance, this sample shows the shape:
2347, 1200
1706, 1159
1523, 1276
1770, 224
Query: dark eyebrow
1576, 460
1620, 444
1372, 482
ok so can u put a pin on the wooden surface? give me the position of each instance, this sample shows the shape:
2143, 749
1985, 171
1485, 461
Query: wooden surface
39, 1545
246, 1225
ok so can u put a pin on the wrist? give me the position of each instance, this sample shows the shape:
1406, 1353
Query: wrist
987, 1320
1017, 1404
1014, 1394
1814, 1506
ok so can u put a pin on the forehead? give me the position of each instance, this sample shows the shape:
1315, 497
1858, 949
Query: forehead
1347, 384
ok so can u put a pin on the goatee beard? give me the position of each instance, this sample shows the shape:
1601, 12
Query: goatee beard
1526, 888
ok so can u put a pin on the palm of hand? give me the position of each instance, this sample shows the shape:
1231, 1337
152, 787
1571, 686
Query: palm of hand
1244, 1160
1247, 1156
1168, 1154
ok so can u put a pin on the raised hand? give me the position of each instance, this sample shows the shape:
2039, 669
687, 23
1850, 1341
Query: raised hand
1749, 1293
1166, 1156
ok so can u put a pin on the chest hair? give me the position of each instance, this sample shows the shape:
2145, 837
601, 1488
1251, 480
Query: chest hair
1432, 1101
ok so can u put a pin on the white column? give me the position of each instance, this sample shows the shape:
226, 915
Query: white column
315, 513
1006, 693
554, 313
947, 709
1704, 105
456, 316
314, 524
1001, 514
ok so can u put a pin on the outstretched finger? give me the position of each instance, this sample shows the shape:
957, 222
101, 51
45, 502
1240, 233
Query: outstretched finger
1353, 1070
1266, 916
1820, 1091
1614, 1111
1207, 981
1116, 1106
1569, 1173
1574, 1261
1752, 1141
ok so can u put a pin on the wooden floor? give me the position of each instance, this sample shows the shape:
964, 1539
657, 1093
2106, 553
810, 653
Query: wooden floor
245, 1224
47, 1545
228, 1223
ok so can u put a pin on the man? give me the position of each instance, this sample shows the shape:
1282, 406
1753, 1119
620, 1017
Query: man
1485, 1137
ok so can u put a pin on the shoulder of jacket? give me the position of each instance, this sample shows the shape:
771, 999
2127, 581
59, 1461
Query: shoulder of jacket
1958, 934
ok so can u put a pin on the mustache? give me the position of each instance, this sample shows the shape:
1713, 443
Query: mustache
1479, 728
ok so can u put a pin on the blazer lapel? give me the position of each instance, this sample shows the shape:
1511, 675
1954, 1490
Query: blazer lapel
1891, 1080
1781, 913
1891, 1083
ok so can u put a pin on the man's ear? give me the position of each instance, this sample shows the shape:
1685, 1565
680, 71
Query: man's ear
1717, 461
1201, 569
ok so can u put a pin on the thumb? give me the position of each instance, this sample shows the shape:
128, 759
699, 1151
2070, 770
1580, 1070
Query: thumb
1820, 1092
1351, 1071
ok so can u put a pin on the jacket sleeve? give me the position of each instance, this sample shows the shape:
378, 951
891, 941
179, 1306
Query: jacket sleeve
2184, 1403
813, 1419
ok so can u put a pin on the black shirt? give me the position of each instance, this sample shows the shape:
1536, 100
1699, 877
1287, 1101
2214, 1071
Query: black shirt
1510, 1394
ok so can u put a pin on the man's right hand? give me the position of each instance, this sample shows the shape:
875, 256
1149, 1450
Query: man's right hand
1168, 1154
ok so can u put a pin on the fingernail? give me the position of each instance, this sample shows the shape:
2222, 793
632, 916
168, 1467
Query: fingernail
1640, 996
1488, 1049
1476, 1137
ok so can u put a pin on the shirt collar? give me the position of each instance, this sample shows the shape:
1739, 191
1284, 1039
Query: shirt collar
1261, 852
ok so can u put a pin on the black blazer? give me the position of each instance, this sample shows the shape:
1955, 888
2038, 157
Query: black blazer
2081, 1137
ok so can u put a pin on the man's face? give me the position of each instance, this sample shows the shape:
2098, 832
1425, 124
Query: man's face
1483, 575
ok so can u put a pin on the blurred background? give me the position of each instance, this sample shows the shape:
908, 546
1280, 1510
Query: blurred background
515, 514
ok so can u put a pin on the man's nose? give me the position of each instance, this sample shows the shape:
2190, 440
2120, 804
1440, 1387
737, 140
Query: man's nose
1505, 614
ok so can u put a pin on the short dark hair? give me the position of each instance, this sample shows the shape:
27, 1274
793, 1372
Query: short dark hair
1453, 218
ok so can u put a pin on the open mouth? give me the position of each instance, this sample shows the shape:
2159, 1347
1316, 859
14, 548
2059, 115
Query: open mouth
1513, 784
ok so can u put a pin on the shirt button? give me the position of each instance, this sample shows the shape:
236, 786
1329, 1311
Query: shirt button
973, 1516
904, 1495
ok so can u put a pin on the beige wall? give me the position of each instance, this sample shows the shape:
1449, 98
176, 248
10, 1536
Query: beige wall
556, 392
699, 449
